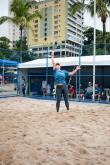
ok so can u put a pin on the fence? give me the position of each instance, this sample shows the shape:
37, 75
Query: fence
40, 81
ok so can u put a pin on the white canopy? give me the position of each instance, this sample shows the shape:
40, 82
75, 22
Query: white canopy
102, 60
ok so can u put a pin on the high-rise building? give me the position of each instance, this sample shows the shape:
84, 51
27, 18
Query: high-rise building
56, 26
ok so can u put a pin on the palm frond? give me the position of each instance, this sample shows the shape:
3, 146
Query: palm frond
3, 19
18, 8
28, 5
77, 6
90, 9
30, 17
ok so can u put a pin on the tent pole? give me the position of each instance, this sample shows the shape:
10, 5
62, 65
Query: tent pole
94, 50
3, 74
47, 54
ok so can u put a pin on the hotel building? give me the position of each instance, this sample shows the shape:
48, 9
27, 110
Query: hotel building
56, 30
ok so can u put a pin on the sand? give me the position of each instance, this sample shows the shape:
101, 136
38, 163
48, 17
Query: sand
32, 133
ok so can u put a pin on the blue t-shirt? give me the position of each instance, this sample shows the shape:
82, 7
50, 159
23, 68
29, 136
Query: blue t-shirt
60, 76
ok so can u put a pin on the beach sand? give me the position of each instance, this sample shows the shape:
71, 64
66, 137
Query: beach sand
33, 133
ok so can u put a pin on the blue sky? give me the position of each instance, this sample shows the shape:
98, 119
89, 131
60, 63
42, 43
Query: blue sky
88, 21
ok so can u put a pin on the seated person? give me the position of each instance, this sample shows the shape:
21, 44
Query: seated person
102, 94
89, 91
71, 91
97, 91
81, 92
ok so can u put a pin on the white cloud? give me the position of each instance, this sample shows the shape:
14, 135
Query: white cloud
88, 21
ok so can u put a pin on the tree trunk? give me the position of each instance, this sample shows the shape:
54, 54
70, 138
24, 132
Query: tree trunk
104, 37
21, 43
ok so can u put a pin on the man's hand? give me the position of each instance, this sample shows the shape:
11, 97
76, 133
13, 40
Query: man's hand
74, 71
52, 54
78, 68
52, 59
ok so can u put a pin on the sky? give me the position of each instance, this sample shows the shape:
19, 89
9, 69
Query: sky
88, 21
4, 12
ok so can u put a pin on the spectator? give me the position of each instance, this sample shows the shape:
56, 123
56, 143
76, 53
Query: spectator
71, 91
102, 94
89, 91
97, 91
81, 91
23, 86
48, 89
44, 87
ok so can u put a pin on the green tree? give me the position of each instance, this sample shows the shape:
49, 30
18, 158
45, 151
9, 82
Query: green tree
89, 36
4, 48
4, 42
88, 42
17, 44
102, 11
25, 52
22, 16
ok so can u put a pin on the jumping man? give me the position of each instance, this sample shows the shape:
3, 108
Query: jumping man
60, 81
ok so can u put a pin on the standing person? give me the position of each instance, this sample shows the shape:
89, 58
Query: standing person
23, 86
48, 89
60, 81
44, 87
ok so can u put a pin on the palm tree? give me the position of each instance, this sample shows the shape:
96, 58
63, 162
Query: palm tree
102, 10
22, 16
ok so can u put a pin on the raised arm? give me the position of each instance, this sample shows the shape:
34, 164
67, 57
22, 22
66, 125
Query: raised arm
52, 58
74, 71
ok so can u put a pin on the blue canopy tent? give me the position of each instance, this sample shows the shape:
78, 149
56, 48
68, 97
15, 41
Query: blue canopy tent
7, 63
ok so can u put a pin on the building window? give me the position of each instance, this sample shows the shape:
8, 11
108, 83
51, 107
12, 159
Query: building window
55, 32
35, 31
40, 49
56, 17
56, 1
45, 39
55, 22
36, 26
56, 28
36, 21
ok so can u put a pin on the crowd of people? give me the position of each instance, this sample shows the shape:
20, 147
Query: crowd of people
85, 93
